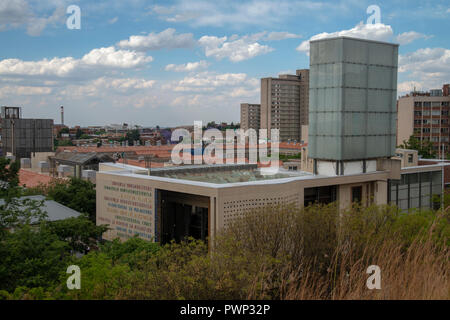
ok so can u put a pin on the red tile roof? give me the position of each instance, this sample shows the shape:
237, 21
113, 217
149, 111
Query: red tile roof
32, 179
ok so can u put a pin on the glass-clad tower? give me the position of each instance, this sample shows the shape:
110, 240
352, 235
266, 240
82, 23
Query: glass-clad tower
352, 100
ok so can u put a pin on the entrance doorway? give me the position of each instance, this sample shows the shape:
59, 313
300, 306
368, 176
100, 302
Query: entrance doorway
182, 215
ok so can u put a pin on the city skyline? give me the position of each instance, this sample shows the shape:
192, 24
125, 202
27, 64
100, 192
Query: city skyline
169, 63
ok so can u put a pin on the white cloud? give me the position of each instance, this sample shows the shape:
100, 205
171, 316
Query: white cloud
105, 87
427, 60
123, 84
273, 36
410, 36
227, 84
238, 14
18, 13
244, 93
408, 86
23, 91
206, 79
56, 67
376, 31
166, 39
238, 49
187, 67
63, 67
110, 57
428, 68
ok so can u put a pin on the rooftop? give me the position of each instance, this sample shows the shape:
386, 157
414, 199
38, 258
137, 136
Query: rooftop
31, 179
224, 173
54, 210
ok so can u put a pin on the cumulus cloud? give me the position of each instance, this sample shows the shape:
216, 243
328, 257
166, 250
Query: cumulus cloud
167, 39
408, 86
18, 13
63, 67
427, 68
377, 31
110, 57
426, 60
410, 36
206, 79
23, 90
107, 86
237, 49
228, 84
187, 67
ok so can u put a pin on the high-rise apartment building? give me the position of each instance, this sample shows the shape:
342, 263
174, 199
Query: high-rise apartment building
425, 115
250, 116
284, 104
352, 109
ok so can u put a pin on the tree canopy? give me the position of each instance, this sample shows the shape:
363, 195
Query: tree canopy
424, 148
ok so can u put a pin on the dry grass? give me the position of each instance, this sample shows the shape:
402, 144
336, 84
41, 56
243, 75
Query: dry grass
325, 255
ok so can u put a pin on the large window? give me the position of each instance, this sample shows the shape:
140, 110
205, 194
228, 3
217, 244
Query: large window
320, 195
357, 194
415, 190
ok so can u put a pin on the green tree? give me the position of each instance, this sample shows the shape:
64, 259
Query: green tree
132, 136
9, 172
76, 193
15, 212
79, 133
31, 258
63, 143
81, 234
424, 148
63, 130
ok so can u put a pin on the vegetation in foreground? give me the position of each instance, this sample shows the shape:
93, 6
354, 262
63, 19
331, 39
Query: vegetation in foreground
273, 253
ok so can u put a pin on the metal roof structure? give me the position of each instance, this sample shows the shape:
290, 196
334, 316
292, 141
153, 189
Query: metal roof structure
75, 158
55, 211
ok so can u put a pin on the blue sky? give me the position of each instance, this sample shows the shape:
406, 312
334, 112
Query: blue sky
172, 62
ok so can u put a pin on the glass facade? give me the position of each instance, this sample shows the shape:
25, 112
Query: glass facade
415, 190
352, 101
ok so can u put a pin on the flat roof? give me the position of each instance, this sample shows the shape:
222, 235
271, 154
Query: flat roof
354, 38
279, 177
261, 176
224, 173
55, 211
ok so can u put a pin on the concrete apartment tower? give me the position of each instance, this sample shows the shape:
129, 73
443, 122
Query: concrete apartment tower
426, 116
284, 104
352, 104
250, 116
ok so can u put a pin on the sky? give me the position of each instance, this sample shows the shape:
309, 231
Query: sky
174, 62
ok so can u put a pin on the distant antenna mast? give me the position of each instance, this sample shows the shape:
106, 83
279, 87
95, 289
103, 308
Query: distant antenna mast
62, 115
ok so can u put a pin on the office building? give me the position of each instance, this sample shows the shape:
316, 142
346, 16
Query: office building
284, 104
425, 115
21, 137
250, 116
